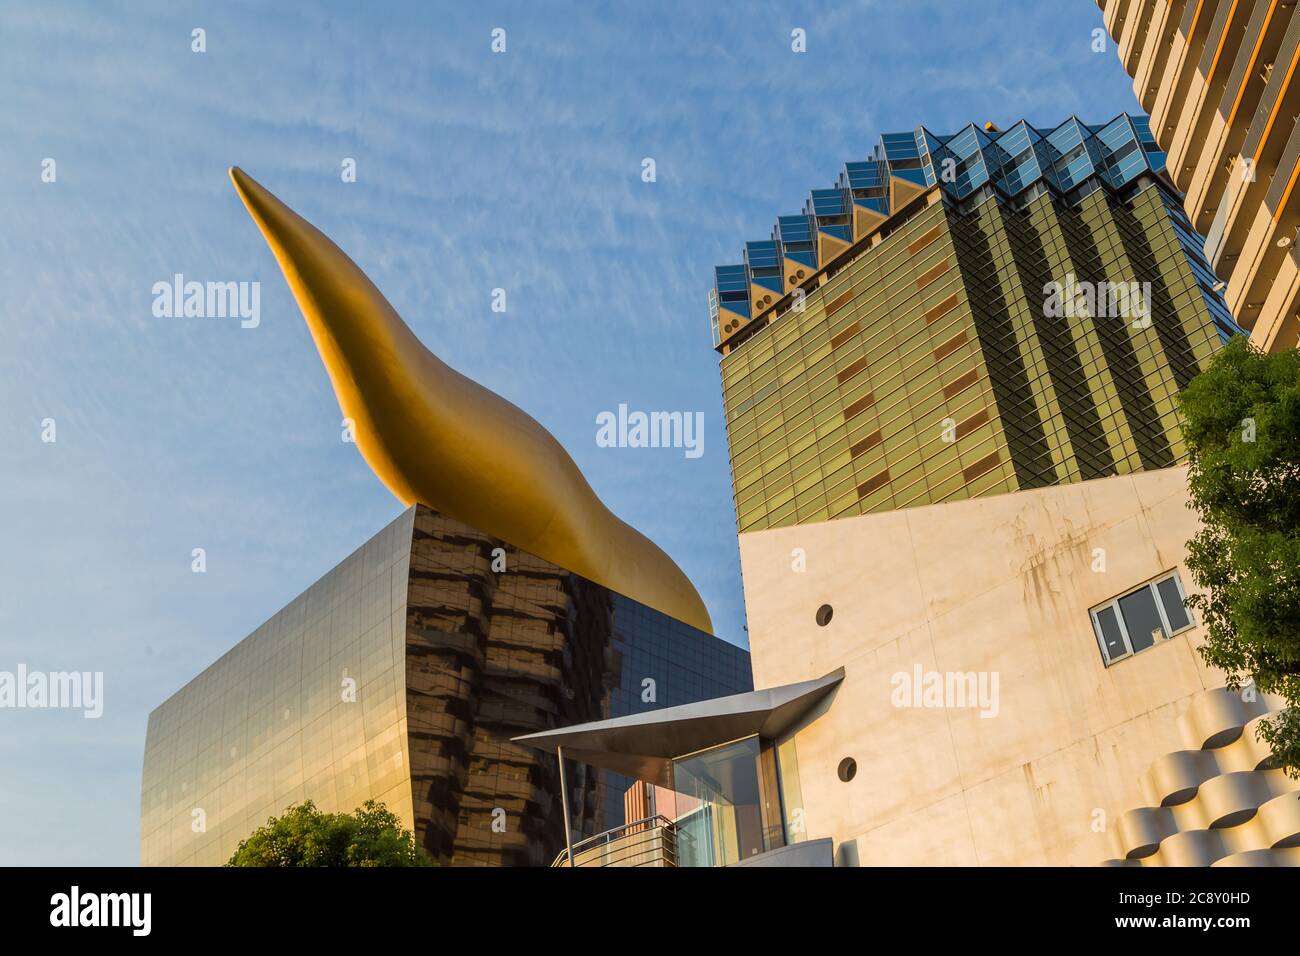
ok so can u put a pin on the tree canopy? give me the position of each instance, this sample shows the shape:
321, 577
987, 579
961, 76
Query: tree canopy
1243, 433
304, 836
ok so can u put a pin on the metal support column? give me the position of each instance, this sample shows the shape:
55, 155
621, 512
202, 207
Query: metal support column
564, 802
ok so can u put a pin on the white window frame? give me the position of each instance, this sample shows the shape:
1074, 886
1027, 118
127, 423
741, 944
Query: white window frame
1113, 604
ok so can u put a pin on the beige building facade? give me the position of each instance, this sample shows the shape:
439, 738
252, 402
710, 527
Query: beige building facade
979, 722
963, 520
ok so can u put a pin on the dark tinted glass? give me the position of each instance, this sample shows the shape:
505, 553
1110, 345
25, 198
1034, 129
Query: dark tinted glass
1141, 618
1173, 603
450, 659
1110, 634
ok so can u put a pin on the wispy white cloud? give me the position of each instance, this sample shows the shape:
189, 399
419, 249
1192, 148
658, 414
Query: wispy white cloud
477, 171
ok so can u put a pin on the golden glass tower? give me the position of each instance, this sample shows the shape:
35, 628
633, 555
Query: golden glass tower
965, 315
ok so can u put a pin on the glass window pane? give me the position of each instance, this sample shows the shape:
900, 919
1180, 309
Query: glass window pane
1173, 604
1110, 635
791, 794
727, 827
1141, 619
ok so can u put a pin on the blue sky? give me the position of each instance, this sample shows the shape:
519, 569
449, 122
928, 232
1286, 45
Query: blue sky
475, 171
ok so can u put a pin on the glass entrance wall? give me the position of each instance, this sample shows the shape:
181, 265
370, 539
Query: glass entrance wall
728, 826
695, 843
787, 764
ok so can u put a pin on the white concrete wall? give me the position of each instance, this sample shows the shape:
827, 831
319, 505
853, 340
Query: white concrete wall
1000, 584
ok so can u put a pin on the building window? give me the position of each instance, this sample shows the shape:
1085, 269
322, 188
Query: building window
1135, 621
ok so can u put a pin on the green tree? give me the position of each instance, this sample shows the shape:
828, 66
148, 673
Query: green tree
1243, 432
304, 836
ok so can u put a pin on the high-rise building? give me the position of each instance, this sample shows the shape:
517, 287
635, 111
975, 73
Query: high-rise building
1219, 80
400, 676
1008, 679
964, 315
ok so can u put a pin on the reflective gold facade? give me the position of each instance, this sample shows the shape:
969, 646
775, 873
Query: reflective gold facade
269, 724
486, 653
930, 366
401, 676
1219, 78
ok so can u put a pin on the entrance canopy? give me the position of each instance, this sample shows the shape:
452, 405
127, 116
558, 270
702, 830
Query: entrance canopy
644, 745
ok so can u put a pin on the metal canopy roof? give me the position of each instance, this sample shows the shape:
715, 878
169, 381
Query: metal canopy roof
644, 745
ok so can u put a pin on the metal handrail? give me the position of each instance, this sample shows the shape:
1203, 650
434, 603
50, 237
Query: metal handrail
648, 824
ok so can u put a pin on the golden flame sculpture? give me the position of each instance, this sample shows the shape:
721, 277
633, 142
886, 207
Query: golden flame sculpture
434, 436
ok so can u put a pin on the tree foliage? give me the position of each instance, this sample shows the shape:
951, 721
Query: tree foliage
304, 836
1243, 431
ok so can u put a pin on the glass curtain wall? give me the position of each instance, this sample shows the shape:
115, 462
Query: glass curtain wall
739, 813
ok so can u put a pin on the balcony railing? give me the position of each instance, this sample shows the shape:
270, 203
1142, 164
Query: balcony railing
648, 842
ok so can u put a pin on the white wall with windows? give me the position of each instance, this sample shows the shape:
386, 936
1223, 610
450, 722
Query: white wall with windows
1142, 617
1006, 594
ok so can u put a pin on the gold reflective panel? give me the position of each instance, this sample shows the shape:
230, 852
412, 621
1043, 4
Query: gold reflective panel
435, 437
927, 369
401, 676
